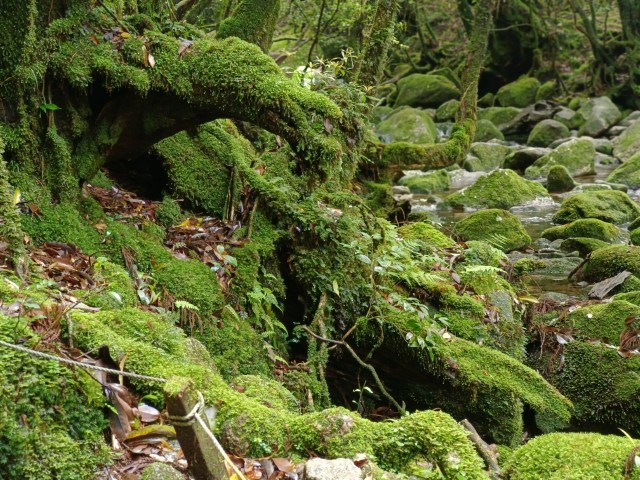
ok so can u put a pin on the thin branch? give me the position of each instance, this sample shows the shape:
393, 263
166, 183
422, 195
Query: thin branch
485, 450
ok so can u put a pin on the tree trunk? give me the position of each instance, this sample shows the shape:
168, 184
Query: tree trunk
630, 16
253, 21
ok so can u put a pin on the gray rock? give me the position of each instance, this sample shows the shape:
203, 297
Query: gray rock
447, 111
340, 468
160, 471
603, 145
485, 157
407, 125
569, 117
486, 130
547, 131
578, 155
400, 189
529, 117
628, 143
616, 131
600, 114
629, 119
462, 178
521, 159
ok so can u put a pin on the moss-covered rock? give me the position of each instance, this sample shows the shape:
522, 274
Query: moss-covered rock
546, 91
499, 189
160, 471
628, 173
430, 182
578, 155
426, 233
610, 206
604, 322
587, 227
609, 261
486, 130
628, 143
519, 160
583, 245
599, 114
520, 93
569, 117
546, 132
557, 456
447, 111
634, 236
379, 198
484, 157
559, 179
500, 228
498, 115
407, 125
424, 90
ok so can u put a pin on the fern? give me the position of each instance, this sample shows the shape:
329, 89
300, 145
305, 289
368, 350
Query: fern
183, 304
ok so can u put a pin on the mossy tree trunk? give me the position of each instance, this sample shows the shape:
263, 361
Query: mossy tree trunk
253, 21
630, 16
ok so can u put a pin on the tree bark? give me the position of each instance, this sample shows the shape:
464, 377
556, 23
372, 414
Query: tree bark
630, 16
253, 21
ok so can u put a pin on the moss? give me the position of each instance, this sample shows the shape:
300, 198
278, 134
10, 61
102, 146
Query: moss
379, 198
447, 111
408, 125
253, 21
498, 115
609, 261
160, 471
485, 157
577, 154
145, 248
559, 179
117, 281
483, 253
10, 227
526, 266
486, 130
279, 398
168, 212
635, 236
571, 456
587, 227
628, 142
498, 227
520, 93
425, 233
420, 90
431, 182
610, 206
602, 322
500, 189
627, 173
546, 132
583, 245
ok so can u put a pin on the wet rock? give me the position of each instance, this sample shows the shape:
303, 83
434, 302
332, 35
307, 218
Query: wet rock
583, 245
616, 131
498, 115
568, 117
519, 93
545, 132
430, 182
426, 233
603, 145
628, 173
529, 117
447, 111
629, 119
486, 130
559, 179
628, 143
615, 186
499, 227
485, 157
591, 187
380, 113
600, 114
586, 227
407, 125
400, 190
577, 155
602, 159
462, 178
546, 91
160, 471
610, 206
420, 90
342, 468
521, 159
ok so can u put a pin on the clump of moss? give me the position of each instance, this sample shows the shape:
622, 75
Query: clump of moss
279, 397
431, 182
604, 321
609, 261
425, 233
118, 290
585, 227
611, 206
500, 228
168, 212
584, 246
379, 198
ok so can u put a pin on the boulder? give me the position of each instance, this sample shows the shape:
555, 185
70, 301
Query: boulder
609, 261
599, 114
546, 91
425, 233
578, 155
529, 117
486, 130
583, 245
569, 117
498, 115
520, 93
628, 173
499, 189
629, 119
585, 227
447, 111
485, 157
611, 206
420, 90
486, 100
559, 179
635, 236
160, 471
546, 132
519, 160
429, 182
500, 228
407, 125
628, 144
321, 469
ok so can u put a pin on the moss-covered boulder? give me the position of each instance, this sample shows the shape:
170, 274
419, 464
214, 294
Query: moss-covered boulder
609, 261
604, 321
587, 227
498, 115
628, 173
486, 130
583, 245
634, 236
520, 93
559, 179
447, 111
578, 155
559, 456
611, 206
500, 228
424, 90
546, 132
430, 182
407, 125
600, 114
628, 143
425, 233
499, 189
485, 157
519, 160
568, 117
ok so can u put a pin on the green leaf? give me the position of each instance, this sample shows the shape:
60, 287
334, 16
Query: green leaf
49, 107
364, 259
336, 290
116, 296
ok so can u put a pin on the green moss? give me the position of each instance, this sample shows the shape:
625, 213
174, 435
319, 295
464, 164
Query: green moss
145, 248
118, 291
583, 245
500, 189
498, 115
425, 233
546, 132
610, 206
431, 182
253, 21
627, 173
575, 456
526, 266
420, 90
604, 321
588, 227
486, 130
559, 179
168, 212
520, 93
485, 157
577, 154
483, 253
279, 397
635, 236
408, 125
497, 227
379, 198
160, 471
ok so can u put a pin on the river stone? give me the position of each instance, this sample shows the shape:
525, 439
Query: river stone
609, 261
559, 179
583, 245
485, 157
615, 186
610, 206
546, 132
447, 111
462, 178
629, 119
569, 117
499, 189
500, 228
603, 145
546, 91
430, 182
628, 173
407, 125
577, 155
321, 469
380, 113
600, 114
424, 90
519, 93
585, 227
521, 159
160, 471
425, 233
627, 144
486, 130
498, 115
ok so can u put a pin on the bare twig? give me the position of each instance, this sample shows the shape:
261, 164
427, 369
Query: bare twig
485, 450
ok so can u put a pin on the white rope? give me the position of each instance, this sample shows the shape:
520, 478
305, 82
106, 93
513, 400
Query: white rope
185, 421
87, 366
218, 447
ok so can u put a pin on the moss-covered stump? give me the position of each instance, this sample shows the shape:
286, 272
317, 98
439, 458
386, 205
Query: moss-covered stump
559, 179
248, 427
579, 456
408, 125
420, 90
628, 173
498, 227
610, 206
546, 132
430, 182
587, 227
485, 157
519, 93
500, 189
609, 261
425, 233
577, 154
